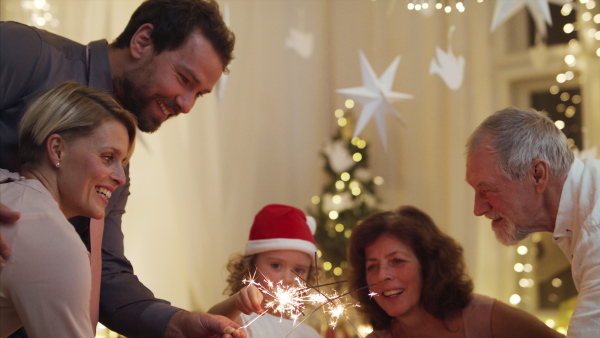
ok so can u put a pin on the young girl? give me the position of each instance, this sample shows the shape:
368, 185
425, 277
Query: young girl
280, 247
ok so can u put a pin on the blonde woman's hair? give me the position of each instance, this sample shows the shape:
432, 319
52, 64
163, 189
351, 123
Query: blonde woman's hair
72, 111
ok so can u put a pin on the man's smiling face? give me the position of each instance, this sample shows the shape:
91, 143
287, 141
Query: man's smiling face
167, 84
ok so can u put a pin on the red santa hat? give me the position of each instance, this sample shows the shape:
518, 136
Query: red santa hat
281, 227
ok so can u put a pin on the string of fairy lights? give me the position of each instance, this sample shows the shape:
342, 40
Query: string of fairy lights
40, 13
447, 6
587, 25
352, 189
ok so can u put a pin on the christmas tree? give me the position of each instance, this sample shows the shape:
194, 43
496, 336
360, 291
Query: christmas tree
347, 197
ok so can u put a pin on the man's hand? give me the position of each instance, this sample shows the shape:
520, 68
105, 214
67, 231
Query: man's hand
6, 216
185, 324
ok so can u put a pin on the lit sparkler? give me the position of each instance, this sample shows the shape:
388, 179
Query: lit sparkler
290, 300
287, 300
333, 304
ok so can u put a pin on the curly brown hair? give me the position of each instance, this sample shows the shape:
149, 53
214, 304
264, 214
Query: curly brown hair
240, 267
446, 286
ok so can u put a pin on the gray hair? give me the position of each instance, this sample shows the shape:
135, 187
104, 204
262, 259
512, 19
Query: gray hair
72, 111
517, 137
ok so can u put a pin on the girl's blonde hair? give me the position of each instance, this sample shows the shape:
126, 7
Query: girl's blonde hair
241, 267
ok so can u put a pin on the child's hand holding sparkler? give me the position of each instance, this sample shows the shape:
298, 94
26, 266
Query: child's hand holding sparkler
249, 300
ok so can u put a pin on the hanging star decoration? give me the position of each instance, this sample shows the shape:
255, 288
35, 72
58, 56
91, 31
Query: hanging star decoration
376, 96
300, 40
539, 10
220, 86
449, 67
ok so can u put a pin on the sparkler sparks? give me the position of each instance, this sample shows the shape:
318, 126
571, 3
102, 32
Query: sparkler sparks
287, 300
290, 300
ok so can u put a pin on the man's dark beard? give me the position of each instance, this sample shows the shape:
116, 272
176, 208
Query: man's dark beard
132, 99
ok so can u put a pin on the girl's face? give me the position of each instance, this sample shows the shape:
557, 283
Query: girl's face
394, 267
91, 168
282, 265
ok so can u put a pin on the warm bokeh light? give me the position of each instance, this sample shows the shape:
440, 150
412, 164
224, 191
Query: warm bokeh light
557, 282
522, 250
347, 233
518, 267
570, 60
570, 111
515, 299
345, 176
337, 199
568, 28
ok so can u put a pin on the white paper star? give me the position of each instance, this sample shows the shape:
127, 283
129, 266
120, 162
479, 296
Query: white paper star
539, 10
375, 96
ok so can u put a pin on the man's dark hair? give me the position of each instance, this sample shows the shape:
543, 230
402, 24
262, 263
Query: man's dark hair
175, 20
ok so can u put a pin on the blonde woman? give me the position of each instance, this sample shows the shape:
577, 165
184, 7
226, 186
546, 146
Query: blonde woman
73, 144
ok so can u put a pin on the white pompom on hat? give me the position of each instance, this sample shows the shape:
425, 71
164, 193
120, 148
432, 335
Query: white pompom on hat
281, 227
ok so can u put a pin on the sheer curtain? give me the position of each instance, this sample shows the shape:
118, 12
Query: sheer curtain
197, 183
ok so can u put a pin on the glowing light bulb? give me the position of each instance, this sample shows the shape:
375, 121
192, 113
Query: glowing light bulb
568, 28
518, 267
